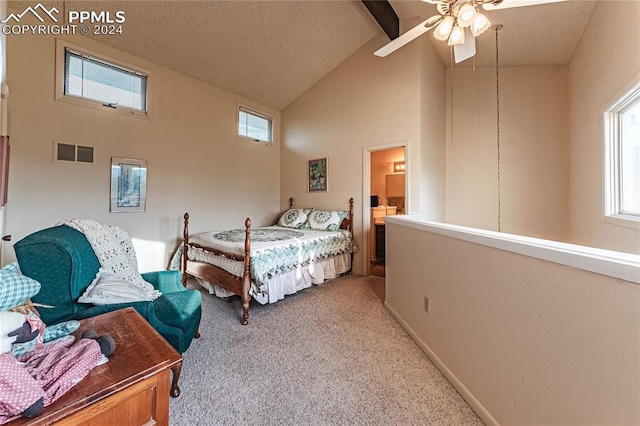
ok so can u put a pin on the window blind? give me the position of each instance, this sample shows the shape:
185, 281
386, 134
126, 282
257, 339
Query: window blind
93, 79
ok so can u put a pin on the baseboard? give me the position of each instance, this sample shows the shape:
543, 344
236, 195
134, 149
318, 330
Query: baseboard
480, 410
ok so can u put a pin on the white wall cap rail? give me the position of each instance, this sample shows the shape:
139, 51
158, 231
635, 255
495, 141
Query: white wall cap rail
625, 266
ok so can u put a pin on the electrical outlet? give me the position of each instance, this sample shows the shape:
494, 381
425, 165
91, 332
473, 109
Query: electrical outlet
427, 303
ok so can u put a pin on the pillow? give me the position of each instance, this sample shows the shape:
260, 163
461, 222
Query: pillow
294, 218
325, 220
15, 288
107, 289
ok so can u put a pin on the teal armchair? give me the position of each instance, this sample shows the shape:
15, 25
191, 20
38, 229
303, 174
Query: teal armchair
64, 263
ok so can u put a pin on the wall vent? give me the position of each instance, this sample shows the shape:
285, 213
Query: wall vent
66, 152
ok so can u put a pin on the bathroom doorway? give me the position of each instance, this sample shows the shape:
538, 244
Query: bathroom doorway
387, 189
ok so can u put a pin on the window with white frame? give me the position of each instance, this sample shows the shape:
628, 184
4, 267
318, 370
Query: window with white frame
254, 125
90, 79
622, 124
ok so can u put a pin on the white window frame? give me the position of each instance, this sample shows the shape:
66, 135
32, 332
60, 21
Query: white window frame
612, 214
62, 46
257, 113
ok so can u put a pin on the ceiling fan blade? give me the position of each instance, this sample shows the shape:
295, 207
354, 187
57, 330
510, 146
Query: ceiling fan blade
466, 50
506, 4
407, 37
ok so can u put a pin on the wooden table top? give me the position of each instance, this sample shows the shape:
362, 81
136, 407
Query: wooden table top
140, 353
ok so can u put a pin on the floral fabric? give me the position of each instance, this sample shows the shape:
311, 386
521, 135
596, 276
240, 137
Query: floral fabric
326, 220
294, 218
258, 235
270, 253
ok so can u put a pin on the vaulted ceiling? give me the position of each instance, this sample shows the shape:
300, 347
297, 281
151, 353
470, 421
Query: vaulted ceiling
272, 51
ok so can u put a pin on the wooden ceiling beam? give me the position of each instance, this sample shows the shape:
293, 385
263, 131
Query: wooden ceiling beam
385, 16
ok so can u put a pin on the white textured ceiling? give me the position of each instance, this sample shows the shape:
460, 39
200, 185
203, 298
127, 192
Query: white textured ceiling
267, 51
272, 51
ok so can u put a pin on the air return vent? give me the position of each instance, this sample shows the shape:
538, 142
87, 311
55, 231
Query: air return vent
66, 152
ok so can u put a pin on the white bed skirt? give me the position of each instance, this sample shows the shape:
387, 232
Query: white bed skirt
290, 282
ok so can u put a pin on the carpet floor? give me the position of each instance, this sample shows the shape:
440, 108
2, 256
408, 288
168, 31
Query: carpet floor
329, 355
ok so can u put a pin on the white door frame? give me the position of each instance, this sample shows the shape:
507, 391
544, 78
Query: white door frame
366, 192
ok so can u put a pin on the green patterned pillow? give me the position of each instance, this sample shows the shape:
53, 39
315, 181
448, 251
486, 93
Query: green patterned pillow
326, 220
294, 218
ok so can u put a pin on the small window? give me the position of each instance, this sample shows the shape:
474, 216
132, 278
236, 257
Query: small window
622, 123
254, 125
90, 79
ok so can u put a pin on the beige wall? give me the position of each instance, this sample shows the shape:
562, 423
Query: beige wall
366, 102
195, 163
525, 340
534, 177
432, 132
606, 60
552, 152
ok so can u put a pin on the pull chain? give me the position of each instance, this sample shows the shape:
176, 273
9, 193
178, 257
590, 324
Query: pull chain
497, 28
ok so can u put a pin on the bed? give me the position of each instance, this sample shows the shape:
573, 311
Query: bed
306, 247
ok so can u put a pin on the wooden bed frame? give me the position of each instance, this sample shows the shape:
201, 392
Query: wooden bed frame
226, 280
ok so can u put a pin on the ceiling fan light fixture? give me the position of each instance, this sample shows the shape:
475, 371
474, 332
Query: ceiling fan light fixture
457, 36
444, 28
466, 13
480, 24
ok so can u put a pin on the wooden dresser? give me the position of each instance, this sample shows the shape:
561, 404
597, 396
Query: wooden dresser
131, 389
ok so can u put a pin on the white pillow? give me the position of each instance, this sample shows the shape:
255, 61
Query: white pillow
326, 220
108, 289
294, 218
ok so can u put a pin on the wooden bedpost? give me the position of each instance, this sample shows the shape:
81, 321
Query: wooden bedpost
246, 276
185, 238
290, 203
351, 215
351, 228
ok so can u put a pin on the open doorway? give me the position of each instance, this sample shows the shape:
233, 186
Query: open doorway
387, 189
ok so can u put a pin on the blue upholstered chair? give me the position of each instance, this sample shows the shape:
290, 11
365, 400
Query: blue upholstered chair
64, 263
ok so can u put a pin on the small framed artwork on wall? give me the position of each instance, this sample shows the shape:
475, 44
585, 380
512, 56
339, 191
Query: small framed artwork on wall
317, 175
128, 185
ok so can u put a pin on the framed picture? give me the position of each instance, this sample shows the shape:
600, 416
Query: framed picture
317, 175
128, 185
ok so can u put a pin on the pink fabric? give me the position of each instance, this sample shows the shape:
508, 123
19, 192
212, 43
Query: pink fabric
59, 366
18, 390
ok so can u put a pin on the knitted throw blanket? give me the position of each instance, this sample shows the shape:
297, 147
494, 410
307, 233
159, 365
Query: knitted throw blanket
113, 248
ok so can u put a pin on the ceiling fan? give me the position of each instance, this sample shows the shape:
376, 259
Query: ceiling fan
459, 22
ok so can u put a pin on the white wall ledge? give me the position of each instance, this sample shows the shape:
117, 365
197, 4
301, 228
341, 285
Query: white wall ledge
615, 264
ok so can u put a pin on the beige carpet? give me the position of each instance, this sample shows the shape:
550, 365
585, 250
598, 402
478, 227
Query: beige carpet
329, 355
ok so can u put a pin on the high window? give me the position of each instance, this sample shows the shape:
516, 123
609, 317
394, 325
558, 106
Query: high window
622, 124
254, 125
89, 79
